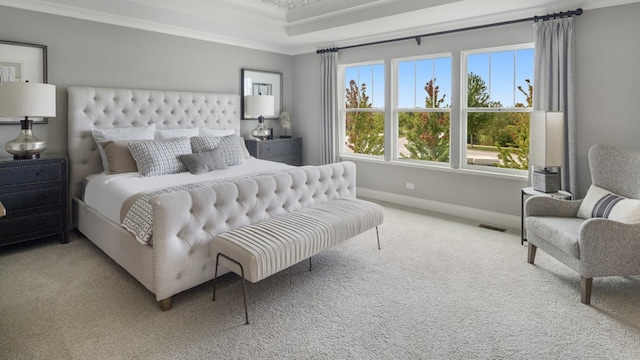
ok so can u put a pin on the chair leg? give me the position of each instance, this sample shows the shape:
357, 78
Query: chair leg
531, 253
585, 290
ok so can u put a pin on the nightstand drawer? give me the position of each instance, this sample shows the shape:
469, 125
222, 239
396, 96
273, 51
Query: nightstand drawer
14, 227
29, 172
271, 148
26, 200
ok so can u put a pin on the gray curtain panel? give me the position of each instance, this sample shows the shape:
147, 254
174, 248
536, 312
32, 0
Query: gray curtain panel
554, 84
329, 64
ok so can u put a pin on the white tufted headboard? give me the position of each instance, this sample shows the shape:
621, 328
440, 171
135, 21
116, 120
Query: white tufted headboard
116, 108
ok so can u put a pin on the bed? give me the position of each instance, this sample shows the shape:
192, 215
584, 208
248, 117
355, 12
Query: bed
164, 271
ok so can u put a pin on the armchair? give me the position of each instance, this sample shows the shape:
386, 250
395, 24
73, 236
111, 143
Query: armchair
592, 245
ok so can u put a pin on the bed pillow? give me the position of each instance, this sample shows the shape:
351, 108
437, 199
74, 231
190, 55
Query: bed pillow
601, 203
128, 133
176, 133
215, 132
245, 151
229, 147
160, 157
203, 162
118, 156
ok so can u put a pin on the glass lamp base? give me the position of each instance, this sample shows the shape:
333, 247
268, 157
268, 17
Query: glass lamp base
261, 132
26, 146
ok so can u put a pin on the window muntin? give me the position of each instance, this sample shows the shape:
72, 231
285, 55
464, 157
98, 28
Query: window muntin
497, 101
364, 109
423, 108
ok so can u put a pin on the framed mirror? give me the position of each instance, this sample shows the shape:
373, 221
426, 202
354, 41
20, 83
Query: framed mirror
22, 62
259, 82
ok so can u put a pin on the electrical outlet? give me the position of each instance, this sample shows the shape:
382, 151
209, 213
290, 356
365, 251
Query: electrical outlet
410, 186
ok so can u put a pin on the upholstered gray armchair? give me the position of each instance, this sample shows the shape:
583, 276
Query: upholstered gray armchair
593, 244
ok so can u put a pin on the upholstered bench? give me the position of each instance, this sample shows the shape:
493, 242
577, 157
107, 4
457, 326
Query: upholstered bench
264, 248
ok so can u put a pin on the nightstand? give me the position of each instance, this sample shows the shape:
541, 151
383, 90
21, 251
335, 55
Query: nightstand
33, 194
288, 151
529, 191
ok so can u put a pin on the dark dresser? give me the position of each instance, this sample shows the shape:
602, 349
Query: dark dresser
34, 199
288, 151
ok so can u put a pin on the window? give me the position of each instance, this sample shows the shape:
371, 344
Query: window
423, 108
496, 102
363, 110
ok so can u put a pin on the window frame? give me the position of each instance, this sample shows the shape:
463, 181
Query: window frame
342, 110
465, 110
396, 110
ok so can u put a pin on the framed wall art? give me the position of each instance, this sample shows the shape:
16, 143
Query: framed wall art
22, 62
259, 82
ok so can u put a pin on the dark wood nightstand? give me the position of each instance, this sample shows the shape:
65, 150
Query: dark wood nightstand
33, 194
288, 151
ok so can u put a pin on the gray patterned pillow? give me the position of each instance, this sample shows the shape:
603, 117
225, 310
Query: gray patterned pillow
229, 147
160, 157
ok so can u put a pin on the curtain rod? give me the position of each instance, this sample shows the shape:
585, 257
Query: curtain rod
417, 38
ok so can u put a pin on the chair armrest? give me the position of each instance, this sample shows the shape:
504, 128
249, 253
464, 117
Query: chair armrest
548, 206
609, 247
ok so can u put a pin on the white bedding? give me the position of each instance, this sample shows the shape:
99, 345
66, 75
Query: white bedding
107, 193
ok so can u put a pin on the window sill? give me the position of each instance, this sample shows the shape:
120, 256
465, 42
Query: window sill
432, 167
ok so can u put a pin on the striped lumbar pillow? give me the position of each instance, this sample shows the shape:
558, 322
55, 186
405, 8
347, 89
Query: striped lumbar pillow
601, 203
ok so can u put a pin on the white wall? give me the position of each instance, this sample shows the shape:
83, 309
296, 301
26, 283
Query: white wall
606, 79
95, 54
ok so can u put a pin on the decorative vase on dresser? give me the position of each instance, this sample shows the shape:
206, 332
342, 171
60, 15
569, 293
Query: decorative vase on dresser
33, 199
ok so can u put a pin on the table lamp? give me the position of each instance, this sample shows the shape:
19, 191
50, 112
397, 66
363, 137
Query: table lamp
25, 99
546, 146
260, 105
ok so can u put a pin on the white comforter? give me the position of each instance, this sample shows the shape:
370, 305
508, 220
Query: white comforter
107, 193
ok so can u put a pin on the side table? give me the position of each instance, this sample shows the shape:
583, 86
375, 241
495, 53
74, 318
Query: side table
529, 191
287, 150
33, 194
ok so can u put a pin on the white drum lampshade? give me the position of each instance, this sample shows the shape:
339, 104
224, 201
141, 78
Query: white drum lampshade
546, 148
24, 100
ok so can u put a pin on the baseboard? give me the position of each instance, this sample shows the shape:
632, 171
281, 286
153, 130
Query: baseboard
482, 216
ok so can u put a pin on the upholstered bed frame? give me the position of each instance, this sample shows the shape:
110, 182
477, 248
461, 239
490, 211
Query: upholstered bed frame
184, 222
110, 108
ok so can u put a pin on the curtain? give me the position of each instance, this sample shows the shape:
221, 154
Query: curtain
554, 82
329, 111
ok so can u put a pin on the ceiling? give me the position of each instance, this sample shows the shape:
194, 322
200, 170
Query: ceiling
303, 28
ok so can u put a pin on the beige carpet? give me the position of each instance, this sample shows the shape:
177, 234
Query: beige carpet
440, 288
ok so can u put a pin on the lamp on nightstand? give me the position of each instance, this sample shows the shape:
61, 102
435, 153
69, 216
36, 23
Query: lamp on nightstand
260, 105
25, 99
546, 136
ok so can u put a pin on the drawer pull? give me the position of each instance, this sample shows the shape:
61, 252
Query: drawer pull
39, 173
3, 210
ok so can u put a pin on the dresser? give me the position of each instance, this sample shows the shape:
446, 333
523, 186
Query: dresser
288, 151
33, 194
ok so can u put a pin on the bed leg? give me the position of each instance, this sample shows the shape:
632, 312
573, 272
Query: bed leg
165, 304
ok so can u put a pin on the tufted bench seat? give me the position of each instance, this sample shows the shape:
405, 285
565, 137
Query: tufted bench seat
264, 248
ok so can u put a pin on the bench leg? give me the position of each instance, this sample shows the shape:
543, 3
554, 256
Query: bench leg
309, 263
378, 236
244, 293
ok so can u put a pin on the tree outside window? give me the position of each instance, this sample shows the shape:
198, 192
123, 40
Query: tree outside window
364, 113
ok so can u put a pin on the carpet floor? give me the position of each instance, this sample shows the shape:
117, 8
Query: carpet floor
440, 288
